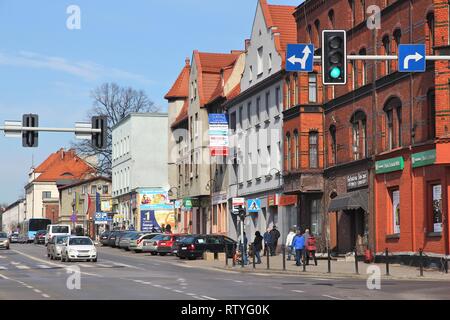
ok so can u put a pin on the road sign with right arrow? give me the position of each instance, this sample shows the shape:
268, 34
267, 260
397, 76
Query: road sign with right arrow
411, 58
300, 58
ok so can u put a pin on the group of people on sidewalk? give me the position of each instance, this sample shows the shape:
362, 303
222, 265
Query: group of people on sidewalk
303, 246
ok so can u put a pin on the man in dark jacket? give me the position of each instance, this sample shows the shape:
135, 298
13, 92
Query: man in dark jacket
275, 234
257, 246
267, 242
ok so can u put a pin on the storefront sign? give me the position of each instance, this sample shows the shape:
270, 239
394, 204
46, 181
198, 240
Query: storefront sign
106, 206
423, 159
238, 202
358, 180
390, 165
273, 200
287, 201
219, 198
191, 203
102, 218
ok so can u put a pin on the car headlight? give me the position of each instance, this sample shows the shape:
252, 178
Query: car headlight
93, 252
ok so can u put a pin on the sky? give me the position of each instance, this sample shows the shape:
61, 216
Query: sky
49, 69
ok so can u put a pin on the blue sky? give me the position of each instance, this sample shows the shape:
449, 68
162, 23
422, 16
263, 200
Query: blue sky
48, 69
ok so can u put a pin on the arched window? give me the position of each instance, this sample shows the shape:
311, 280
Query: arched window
295, 89
288, 93
363, 9
431, 107
430, 33
331, 18
393, 111
363, 67
351, 4
387, 51
312, 87
313, 149
296, 150
288, 152
317, 25
397, 42
333, 144
354, 78
359, 133
309, 31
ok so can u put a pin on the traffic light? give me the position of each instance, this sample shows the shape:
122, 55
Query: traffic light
30, 138
334, 57
99, 139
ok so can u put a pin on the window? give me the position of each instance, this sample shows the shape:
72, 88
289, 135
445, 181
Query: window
351, 3
316, 217
270, 61
399, 126
249, 167
358, 122
397, 41
437, 208
241, 115
395, 213
354, 83
258, 109
94, 187
387, 51
233, 121
288, 151
269, 159
333, 145
312, 87
296, 151
258, 164
191, 131
268, 104
317, 25
431, 101
288, 93
313, 150
356, 141
249, 114
331, 18
105, 189
46, 194
83, 189
295, 89
309, 31
260, 61
250, 74
363, 9
277, 98
390, 125
393, 110
196, 165
430, 33
363, 67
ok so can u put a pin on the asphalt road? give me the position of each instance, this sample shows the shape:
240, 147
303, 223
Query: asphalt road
26, 273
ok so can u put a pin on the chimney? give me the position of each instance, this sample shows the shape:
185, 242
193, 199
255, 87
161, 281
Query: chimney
62, 154
247, 44
188, 62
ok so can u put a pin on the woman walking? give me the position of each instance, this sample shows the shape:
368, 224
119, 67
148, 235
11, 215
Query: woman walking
257, 246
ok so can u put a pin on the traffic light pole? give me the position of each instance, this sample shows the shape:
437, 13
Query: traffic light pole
43, 129
381, 57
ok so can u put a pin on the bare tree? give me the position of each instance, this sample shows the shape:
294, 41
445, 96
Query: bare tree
116, 103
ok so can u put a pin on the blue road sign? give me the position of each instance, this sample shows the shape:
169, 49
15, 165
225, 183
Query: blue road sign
300, 57
253, 205
411, 58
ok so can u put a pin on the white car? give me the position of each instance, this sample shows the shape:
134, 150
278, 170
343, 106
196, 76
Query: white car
57, 230
78, 248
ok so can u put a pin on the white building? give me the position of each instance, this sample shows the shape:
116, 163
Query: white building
13, 215
140, 161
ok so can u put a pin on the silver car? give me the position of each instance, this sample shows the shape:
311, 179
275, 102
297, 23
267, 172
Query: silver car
124, 242
4, 241
152, 245
136, 244
54, 247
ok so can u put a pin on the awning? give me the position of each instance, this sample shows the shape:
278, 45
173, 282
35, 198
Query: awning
350, 201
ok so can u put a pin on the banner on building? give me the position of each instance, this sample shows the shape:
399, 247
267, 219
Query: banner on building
102, 218
152, 220
154, 200
218, 134
106, 206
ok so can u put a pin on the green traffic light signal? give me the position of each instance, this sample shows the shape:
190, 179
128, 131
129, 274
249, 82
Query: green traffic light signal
335, 72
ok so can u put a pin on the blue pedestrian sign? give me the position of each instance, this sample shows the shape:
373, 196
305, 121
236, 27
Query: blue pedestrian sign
253, 205
300, 58
411, 58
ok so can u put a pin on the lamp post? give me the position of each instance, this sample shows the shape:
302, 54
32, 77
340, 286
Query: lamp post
278, 173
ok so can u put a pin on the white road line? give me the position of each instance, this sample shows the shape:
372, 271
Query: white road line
4, 277
199, 298
191, 294
178, 291
43, 266
157, 286
37, 290
22, 267
331, 297
104, 265
29, 287
167, 288
46, 295
238, 281
15, 263
209, 298
85, 265
2, 257
149, 283
298, 291
3, 268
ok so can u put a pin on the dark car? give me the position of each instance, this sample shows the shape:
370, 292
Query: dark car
178, 239
194, 246
14, 237
112, 238
104, 238
40, 237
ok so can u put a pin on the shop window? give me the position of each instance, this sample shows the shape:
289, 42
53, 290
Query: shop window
395, 211
316, 222
436, 208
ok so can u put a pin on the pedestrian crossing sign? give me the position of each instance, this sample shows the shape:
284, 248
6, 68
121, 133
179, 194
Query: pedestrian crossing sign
253, 205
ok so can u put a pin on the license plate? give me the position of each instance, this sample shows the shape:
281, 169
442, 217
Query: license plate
183, 248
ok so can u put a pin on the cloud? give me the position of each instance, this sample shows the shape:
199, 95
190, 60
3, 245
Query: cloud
87, 70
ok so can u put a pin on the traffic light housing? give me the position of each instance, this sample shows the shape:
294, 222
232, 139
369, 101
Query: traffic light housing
99, 139
334, 57
30, 138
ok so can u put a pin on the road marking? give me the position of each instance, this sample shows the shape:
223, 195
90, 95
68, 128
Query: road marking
37, 290
298, 291
4, 277
178, 291
331, 297
85, 265
46, 295
3, 268
238, 281
104, 265
15, 263
209, 298
29, 287
157, 285
43, 266
167, 288
22, 267
191, 294
199, 298
2, 257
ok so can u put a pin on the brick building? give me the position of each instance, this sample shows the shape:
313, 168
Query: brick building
386, 174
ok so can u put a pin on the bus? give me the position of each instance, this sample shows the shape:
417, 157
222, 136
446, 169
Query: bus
28, 228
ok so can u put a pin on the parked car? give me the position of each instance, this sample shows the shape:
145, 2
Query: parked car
40, 237
78, 248
104, 238
124, 241
4, 241
161, 244
14, 237
120, 236
54, 247
194, 246
57, 230
136, 242
112, 238
178, 238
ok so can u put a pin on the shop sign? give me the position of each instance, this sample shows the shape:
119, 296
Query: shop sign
106, 205
357, 180
423, 159
287, 201
390, 165
273, 200
189, 203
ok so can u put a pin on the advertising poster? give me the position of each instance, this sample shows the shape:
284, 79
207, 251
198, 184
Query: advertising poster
396, 210
218, 134
154, 220
154, 200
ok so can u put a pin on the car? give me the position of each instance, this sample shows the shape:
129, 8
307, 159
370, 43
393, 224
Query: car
104, 238
194, 246
40, 237
54, 247
4, 241
77, 248
14, 237
57, 230
124, 241
177, 241
112, 238
119, 237
136, 243
161, 244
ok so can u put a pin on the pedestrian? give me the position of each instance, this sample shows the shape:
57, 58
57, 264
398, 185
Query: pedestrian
163, 228
267, 242
306, 236
275, 234
257, 246
243, 248
289, 239
311, 249
168, 229
299, 244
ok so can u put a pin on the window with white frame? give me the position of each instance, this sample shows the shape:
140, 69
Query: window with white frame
260, 60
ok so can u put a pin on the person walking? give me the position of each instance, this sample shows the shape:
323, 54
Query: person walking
289, 239
311, 247
267, 242
275, 234
299, 244
306, 236
257, 246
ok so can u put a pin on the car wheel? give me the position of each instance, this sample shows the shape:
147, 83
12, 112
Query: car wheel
62, 258
94, 260
51, 257
154, 253
68, 259
162, 254
191, 258
7, 248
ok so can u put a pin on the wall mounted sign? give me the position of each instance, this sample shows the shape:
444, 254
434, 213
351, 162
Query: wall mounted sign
390, 165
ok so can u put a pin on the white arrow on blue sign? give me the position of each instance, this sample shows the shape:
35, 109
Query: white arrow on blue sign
411, 58
300, 57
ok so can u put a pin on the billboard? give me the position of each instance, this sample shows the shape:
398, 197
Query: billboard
218, 134
154, 200
152, 220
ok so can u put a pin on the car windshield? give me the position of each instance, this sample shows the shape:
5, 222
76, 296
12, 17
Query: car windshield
80, 242
3, 235
60, 229
135, 236
60, 240
187, 240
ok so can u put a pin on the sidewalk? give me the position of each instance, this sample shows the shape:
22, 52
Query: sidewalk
339, 268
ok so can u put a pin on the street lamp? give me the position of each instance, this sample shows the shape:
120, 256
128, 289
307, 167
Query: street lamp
170, 192
208, 185
278, 173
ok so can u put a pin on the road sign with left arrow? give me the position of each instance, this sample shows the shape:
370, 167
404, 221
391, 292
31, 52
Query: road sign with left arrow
411, 58
300, 57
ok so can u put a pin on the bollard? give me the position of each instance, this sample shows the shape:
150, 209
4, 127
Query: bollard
283, 249
356, 261
242, 255
329, 261
421, 261
387, 261
268, 260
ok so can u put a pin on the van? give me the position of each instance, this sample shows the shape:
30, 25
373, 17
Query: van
57, 230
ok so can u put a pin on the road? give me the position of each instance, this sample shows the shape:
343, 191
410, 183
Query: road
27, 274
